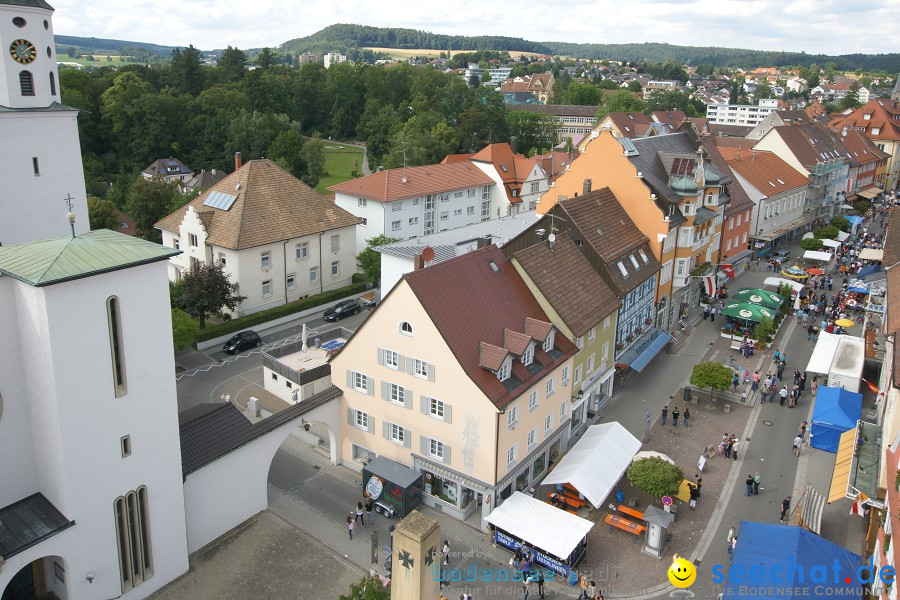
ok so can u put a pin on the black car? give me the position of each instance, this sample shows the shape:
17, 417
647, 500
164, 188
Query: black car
341, 310
241, 341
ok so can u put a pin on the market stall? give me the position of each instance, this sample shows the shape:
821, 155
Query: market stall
817, 256
556, 538
394, 488
831, 243
777, 282
836, 411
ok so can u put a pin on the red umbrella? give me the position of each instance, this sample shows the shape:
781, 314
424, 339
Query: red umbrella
815, 271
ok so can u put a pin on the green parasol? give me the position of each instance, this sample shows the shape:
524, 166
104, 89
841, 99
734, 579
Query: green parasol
745, 311
761, 297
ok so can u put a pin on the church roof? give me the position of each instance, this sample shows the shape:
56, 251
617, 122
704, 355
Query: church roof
60, 259
30, 3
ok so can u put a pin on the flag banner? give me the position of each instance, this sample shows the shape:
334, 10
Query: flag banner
858, 507
871, 386
709, 285
729, 270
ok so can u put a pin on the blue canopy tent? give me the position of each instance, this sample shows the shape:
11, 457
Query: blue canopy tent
854, 220
779, 562
836, 411
870, 271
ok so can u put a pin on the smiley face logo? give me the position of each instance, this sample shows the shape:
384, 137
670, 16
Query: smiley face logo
682, 573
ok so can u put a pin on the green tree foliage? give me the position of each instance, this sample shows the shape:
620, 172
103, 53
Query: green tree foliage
766, 327
369, 260
287, 151
712, 376
370, 588
313, 153
621, 101
826, 233
533, 130
861, 207
233, 64
204, 291
147, 202
187, 70
102, 214
811, 244
841, 223
655, 476
674, 100
266, 59
184, 329
584, 94
634, 86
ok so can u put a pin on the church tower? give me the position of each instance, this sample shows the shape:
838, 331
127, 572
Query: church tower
40, 157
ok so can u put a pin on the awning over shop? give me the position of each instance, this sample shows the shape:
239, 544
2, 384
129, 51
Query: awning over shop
871, 254
597, 461
870, 193
540, 524
856, 221
840, 478
856, 466
831, 243
812, 504
814, 255
843, 236
639, 356
780, 281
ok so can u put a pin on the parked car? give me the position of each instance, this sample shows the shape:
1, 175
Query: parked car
241, 341
341, 310
781, 256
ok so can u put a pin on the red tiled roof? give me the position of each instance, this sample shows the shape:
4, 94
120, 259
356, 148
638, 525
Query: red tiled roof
811, 143
389, 185
516, 342
740, 201
446, 292
513, 169
884, 115
672, 118
491, 357
537, 329
627, 122
764, 170
860, 148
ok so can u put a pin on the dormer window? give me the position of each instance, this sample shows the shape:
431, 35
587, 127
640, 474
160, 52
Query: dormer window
867, 117
504, 371
876, 130
528, 355
548, 343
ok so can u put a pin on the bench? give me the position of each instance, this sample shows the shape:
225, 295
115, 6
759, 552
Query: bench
569, 507
631, 512
631, 527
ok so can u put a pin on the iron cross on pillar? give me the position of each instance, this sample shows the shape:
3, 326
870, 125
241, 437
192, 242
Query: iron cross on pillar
70, 215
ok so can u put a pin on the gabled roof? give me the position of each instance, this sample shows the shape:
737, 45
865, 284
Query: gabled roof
601, 222
513, 169
210, 431
60, 259
160, 167
630, 124
764, 170
259, 204
389, 185
672, 118
730, 130
205, 179
811, 143
570, 284
860, 148
883, 114
446, 292
740, 201
647, 159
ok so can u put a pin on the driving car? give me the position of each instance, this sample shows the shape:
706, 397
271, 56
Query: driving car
241, 341
342, 309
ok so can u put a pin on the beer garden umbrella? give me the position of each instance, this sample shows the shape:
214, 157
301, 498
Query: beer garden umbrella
761, 297
845, 323
745, 311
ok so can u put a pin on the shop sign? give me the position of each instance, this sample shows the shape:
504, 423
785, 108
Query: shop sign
540, 558
374, 487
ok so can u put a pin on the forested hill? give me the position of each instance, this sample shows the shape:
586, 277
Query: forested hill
92, 43
341, 37
723, 57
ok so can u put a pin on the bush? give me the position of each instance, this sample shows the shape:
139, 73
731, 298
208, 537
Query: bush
826, 233
862, 207
811, 244
841, 223
240, 323
655, 476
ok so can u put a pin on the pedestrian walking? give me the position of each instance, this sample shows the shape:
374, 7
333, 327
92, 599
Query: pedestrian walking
664, 413
803, 382
350, 525
445, 551
675, 414
731, 536
369, 507
749, 484
814, 386
756, 480
735, 381
540, 582
785, 507
734, 447
797, 442
712, 314
687, 417
783, 393
706, 312
592, 591
728, 443
694, 494
781, 370
359, 513
755, 384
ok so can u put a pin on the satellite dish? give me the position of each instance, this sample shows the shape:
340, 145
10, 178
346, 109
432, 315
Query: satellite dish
428, 254
552, 237
403, 179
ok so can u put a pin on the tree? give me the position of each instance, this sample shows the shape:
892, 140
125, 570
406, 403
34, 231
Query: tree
583, 94
204, 291
634, 86
187, 70
811, 244
862, 207
712, 375
184, 329
266, 59
313, 153
621, 101
369, 588
655, 476
826, 233
148, 201
287, 151
102, 214
369, 260
766, 327
233, 63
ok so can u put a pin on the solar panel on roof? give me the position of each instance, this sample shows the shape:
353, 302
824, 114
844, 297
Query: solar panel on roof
219, 200
171, 163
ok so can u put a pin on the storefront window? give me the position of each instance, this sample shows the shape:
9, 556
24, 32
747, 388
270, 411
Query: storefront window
522, 481
540, 464
442, 488
467, 497
506, 492
555, 450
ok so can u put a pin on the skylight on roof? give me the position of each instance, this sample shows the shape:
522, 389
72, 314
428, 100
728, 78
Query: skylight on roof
622, 269
627, 128
219, 200
643, 255
772, 184
779, 181
503, 168
634, 261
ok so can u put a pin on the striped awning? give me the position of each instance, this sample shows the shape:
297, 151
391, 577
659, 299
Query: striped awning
811, 508
840, 479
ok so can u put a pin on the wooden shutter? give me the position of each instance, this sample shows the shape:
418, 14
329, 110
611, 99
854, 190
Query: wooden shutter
448, 413
350, 379
371, 423
370, 386
410, 363
386, 430
425, 445
446, 454
401, 362
425, 405
407, 397
380, 353
351, 417
385, 390
430, 372
407, 438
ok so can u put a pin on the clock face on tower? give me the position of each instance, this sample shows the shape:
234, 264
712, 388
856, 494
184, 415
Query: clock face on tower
22, 51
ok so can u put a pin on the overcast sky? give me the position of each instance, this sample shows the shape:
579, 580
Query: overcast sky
816, 26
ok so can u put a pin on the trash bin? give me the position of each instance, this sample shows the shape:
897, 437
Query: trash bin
687, 394
620, 496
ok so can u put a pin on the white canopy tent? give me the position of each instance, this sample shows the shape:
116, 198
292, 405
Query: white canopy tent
780, 281
832, 243
823, 354
597, 461
842, 236
814, 255
871, 254
540, 524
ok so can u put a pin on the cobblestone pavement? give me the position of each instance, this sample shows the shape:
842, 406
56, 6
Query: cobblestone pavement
264, 557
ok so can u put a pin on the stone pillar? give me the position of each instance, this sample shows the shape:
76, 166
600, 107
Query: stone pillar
416, 558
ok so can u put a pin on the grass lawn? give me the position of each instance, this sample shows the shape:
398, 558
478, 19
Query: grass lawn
339, 162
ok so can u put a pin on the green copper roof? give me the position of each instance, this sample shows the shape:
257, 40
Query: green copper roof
66, 258
31, 3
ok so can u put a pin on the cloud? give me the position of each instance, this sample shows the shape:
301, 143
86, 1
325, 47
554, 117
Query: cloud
814, 26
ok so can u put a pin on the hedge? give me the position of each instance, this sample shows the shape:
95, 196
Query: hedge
284, 310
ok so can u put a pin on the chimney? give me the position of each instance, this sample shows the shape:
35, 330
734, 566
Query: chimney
483, 241
586, 187
514, 144
237, 161
418, 262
